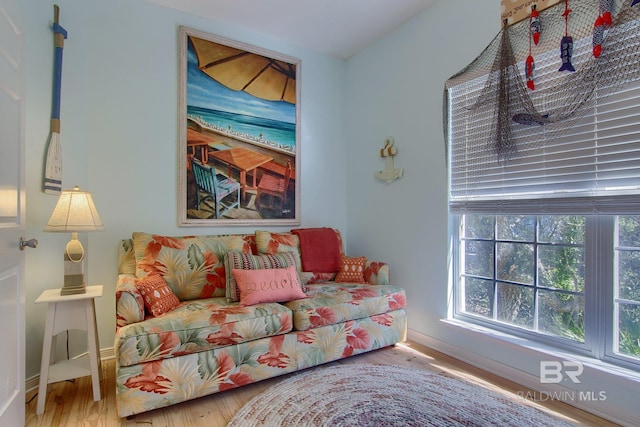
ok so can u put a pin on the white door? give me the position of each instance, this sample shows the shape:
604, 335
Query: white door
12, 216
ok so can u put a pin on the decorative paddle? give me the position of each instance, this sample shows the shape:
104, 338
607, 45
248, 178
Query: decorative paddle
53, 167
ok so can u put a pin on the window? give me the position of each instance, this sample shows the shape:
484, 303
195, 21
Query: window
547, 241
543, 276
525, 271
626, 298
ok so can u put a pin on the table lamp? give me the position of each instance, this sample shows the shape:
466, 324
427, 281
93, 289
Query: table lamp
74, 212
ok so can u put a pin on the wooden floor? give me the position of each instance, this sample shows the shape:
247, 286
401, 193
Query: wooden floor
71, 404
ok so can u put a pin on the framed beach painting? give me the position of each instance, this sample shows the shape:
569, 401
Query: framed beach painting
239, 124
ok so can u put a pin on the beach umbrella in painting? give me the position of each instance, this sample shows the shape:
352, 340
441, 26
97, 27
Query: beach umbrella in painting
238, 69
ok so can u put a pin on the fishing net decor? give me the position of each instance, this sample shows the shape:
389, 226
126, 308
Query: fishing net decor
585, 49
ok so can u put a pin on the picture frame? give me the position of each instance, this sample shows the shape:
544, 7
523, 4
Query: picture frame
239, 133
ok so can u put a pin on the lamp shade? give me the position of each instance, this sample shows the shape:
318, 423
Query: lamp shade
74, 212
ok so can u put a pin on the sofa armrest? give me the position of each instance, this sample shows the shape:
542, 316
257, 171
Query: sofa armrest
129, 303
376, 273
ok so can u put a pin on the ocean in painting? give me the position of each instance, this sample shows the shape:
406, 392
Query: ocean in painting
260, 130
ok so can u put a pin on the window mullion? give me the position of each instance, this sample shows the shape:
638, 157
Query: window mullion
599, 275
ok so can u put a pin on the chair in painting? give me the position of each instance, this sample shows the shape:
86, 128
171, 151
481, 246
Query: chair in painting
274, 186
225, 192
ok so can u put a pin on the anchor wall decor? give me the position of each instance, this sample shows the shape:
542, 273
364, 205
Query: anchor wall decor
390, 173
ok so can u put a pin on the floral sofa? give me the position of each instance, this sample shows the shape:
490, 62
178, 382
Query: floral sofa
207, 343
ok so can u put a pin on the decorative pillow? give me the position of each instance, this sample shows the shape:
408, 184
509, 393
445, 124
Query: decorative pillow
268, 285
242, 261
158, 298
193, 266
352, 270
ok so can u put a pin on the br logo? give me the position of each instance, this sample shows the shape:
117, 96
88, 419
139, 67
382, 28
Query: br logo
553, 372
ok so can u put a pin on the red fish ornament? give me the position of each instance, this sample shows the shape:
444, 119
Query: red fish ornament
534, 25
529, 67
598, 36
605, 10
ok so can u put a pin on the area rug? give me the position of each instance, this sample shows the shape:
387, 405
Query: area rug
384, 395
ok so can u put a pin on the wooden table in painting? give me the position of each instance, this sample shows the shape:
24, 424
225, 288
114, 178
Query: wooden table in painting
197, 140
244, 160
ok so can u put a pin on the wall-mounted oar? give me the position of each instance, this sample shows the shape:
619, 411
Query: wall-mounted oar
53, 167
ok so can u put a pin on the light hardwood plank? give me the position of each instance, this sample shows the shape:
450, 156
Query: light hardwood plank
71, 403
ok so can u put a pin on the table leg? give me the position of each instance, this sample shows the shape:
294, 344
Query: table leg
46, 358
243, 182
255, 173
204, 154
92, 338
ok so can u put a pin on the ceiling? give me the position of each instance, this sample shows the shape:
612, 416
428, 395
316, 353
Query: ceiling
338, 28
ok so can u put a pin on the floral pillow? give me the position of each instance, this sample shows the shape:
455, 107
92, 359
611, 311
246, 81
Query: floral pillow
158, 298
242, 261
193, 266
352, 270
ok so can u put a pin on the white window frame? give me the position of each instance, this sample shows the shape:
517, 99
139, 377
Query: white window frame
600, 334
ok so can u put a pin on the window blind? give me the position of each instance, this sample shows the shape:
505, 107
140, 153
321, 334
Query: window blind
591, 167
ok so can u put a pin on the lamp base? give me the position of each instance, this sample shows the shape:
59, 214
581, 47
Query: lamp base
74, 269
72, 290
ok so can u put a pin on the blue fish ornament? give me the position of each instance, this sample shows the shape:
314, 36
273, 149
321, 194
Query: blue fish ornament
566, 50
530, 119
635, 2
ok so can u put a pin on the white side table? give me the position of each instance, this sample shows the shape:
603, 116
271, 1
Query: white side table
64, 313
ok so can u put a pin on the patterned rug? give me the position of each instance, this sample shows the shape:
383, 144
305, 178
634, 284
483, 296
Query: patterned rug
383, 395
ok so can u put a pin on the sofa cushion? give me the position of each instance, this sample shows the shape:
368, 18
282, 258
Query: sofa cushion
241, 261
193, 266
274, 243
197, 326
268, 285
330, 303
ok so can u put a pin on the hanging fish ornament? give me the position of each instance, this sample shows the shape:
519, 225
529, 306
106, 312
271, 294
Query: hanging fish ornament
635, 2
528, 119
605, 10
529, 66
535, 25
566, 44
566, 51
598, 36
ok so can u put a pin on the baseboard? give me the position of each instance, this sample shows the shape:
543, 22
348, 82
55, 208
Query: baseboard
33, 382
531, 382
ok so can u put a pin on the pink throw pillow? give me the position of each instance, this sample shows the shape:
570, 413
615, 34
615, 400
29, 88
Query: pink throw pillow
268, 285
